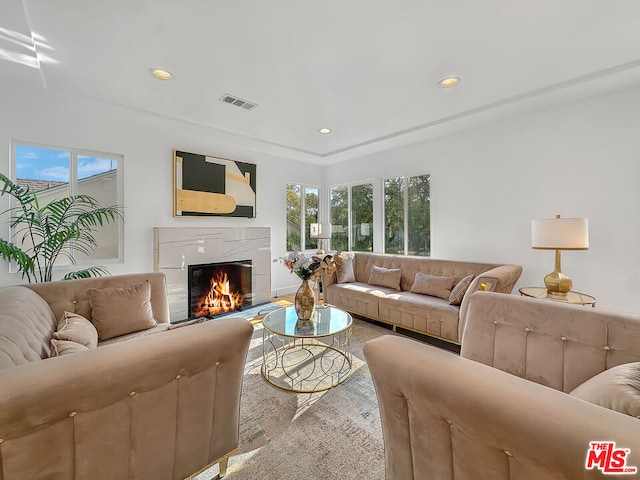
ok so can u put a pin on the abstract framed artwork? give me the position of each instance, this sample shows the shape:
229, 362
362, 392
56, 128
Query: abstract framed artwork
211, 186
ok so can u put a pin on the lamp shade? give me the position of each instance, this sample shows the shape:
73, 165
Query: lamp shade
560, 233
320, 230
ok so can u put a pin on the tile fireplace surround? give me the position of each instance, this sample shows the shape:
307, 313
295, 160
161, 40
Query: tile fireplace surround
175, 248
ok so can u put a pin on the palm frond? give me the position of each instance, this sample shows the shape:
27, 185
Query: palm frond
22, 194
87, 273
64, 227
10, 253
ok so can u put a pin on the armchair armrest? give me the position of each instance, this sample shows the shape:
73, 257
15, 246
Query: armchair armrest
501, 279
166, 402
444, 416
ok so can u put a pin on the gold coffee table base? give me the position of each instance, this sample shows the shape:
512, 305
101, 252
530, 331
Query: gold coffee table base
306, 365
306, 355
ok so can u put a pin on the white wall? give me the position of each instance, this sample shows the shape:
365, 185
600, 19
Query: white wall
581, 159
578, 160
147, 143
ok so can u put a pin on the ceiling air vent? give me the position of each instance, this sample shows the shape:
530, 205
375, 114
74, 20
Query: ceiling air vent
238, 102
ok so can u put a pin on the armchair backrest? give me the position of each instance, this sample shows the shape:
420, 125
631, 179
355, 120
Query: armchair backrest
71, 295
550, 343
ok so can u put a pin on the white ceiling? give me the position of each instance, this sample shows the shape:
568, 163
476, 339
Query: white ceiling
367, 69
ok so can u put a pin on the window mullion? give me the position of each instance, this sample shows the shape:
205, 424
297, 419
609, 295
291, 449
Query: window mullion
303, 218
73, 173
405, 185
349, 220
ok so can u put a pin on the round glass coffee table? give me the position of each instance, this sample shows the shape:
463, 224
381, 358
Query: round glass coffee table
306, 356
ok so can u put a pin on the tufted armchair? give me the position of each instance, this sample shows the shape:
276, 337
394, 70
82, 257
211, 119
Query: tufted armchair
503, 408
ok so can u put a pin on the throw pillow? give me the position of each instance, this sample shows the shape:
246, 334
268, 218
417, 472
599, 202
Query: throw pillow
173, 326
65, 347
118, 311
617, 388
75, 328
344, 268
385, 277
433, 285
455, 298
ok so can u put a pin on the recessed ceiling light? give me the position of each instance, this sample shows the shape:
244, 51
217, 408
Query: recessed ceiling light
325, 130
449, 82
161, 74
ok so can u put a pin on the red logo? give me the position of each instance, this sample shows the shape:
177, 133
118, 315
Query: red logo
609, 459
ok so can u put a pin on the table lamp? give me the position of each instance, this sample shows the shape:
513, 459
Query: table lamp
559, 234
321, 231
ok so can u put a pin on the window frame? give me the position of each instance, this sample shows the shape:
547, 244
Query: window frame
349, 187
74, 153
303, 207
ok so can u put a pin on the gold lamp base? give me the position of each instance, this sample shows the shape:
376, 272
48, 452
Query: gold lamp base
557, 283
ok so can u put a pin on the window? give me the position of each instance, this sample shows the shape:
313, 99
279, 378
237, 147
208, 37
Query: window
339, 213
55, 172
302, 210
351, 212
407, 215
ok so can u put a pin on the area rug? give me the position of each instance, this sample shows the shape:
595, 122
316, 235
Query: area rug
335, 434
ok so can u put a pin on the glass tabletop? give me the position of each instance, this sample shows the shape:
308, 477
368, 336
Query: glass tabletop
325, 321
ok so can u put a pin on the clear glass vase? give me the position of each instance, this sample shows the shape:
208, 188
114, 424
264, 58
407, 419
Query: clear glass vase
305, 301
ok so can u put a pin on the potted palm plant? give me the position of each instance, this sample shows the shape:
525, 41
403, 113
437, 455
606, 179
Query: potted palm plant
62, 227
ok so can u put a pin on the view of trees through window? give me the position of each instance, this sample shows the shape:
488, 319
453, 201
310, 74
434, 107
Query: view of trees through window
339, 215
298, 233
407, 215
294, 217
311, 204
362, 218
354, 201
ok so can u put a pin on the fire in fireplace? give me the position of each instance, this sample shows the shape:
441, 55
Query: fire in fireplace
217, 288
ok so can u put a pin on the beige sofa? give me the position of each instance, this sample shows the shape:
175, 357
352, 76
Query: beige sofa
150, 404
425, 314
502, 409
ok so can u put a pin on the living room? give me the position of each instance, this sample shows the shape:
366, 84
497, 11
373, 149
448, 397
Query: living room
569, 146
577, 159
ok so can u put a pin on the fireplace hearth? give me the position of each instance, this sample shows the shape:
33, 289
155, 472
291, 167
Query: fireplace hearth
218, 288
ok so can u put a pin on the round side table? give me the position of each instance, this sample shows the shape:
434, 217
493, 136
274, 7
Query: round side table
575, 298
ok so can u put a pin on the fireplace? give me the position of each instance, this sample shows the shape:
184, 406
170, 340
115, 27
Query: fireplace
218, 288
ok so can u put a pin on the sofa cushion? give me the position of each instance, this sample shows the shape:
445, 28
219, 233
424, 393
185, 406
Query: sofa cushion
457, 293
356, 297
118, 311
423, 313
65, 347
195, 321
433, 285
75, 328
161, 327
385, 277
344, 268
617, 388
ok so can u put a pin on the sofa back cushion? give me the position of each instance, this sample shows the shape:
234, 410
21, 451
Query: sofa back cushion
75, 328
26, 327
344, 268
433, 285
385, 277
412, 265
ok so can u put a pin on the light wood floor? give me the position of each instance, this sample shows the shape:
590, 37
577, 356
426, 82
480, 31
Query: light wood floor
289, 296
